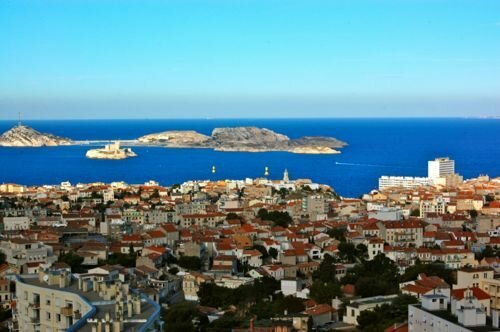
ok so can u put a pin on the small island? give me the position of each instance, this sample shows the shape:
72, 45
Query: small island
24, 136
111, 151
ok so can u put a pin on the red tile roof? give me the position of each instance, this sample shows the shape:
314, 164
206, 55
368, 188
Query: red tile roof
476, 291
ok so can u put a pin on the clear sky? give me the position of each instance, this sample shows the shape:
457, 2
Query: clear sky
237, 58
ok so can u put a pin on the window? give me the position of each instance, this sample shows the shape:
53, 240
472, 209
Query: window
58, 317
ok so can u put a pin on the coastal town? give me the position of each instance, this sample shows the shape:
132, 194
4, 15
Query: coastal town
263, 255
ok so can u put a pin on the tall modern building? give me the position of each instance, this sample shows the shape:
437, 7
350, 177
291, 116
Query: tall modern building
440, 167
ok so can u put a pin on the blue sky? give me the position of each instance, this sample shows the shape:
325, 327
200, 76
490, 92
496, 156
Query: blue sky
237, 58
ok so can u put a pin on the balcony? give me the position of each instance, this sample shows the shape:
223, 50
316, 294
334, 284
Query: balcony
67, 311
77, 315
34, 304
34, 320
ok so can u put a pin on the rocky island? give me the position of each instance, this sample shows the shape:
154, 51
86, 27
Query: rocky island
244, 139
111, 151
24, 136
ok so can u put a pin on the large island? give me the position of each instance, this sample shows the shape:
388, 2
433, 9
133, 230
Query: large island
245, 139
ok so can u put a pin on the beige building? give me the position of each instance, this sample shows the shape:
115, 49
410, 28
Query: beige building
12, 188
492, 287
402, 233
191, 283
469, 277
5, 294
54, 301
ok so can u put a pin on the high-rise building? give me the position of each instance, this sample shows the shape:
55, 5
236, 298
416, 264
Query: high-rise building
440, 167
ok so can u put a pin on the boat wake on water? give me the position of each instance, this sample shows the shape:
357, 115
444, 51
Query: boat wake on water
371, 165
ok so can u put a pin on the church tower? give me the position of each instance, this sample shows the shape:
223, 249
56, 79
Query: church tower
285, 176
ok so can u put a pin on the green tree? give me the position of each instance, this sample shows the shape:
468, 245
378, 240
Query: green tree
273, 252
326, 271
415, 213
182, 317
338, 233
386, 315
431, 269
347, 252
278, 218
190, 262
375, 277
324, 292
72, 259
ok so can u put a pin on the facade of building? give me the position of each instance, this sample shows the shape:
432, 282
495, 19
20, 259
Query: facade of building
54, 300
433, 315
355, 307
440, 168
385, 182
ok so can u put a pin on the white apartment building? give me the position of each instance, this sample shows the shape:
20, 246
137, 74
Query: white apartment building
19, 252
433, 315
436, 205
440, 168
385, 182
16, 223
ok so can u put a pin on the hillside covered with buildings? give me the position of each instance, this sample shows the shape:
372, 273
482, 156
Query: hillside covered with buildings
251, 255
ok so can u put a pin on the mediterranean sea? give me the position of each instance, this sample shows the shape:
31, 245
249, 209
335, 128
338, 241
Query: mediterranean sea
376, 147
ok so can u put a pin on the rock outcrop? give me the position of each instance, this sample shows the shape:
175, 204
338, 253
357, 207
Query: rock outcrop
177, 138
245, 139
24, 136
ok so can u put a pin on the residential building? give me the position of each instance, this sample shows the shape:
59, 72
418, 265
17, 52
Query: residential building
355, 307
55, 300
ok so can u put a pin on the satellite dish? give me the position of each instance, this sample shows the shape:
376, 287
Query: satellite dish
46, 278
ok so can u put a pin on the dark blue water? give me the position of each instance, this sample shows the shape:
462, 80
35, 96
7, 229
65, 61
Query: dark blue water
376, 147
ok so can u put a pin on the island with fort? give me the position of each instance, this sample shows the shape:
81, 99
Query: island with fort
228, 139
111, 151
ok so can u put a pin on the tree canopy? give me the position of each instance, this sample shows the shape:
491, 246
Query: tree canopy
375, 277
385, 315
278, 218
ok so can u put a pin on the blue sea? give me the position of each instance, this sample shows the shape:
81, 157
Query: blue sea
376, 147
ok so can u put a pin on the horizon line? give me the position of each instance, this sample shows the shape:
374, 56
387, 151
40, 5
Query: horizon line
482, 117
